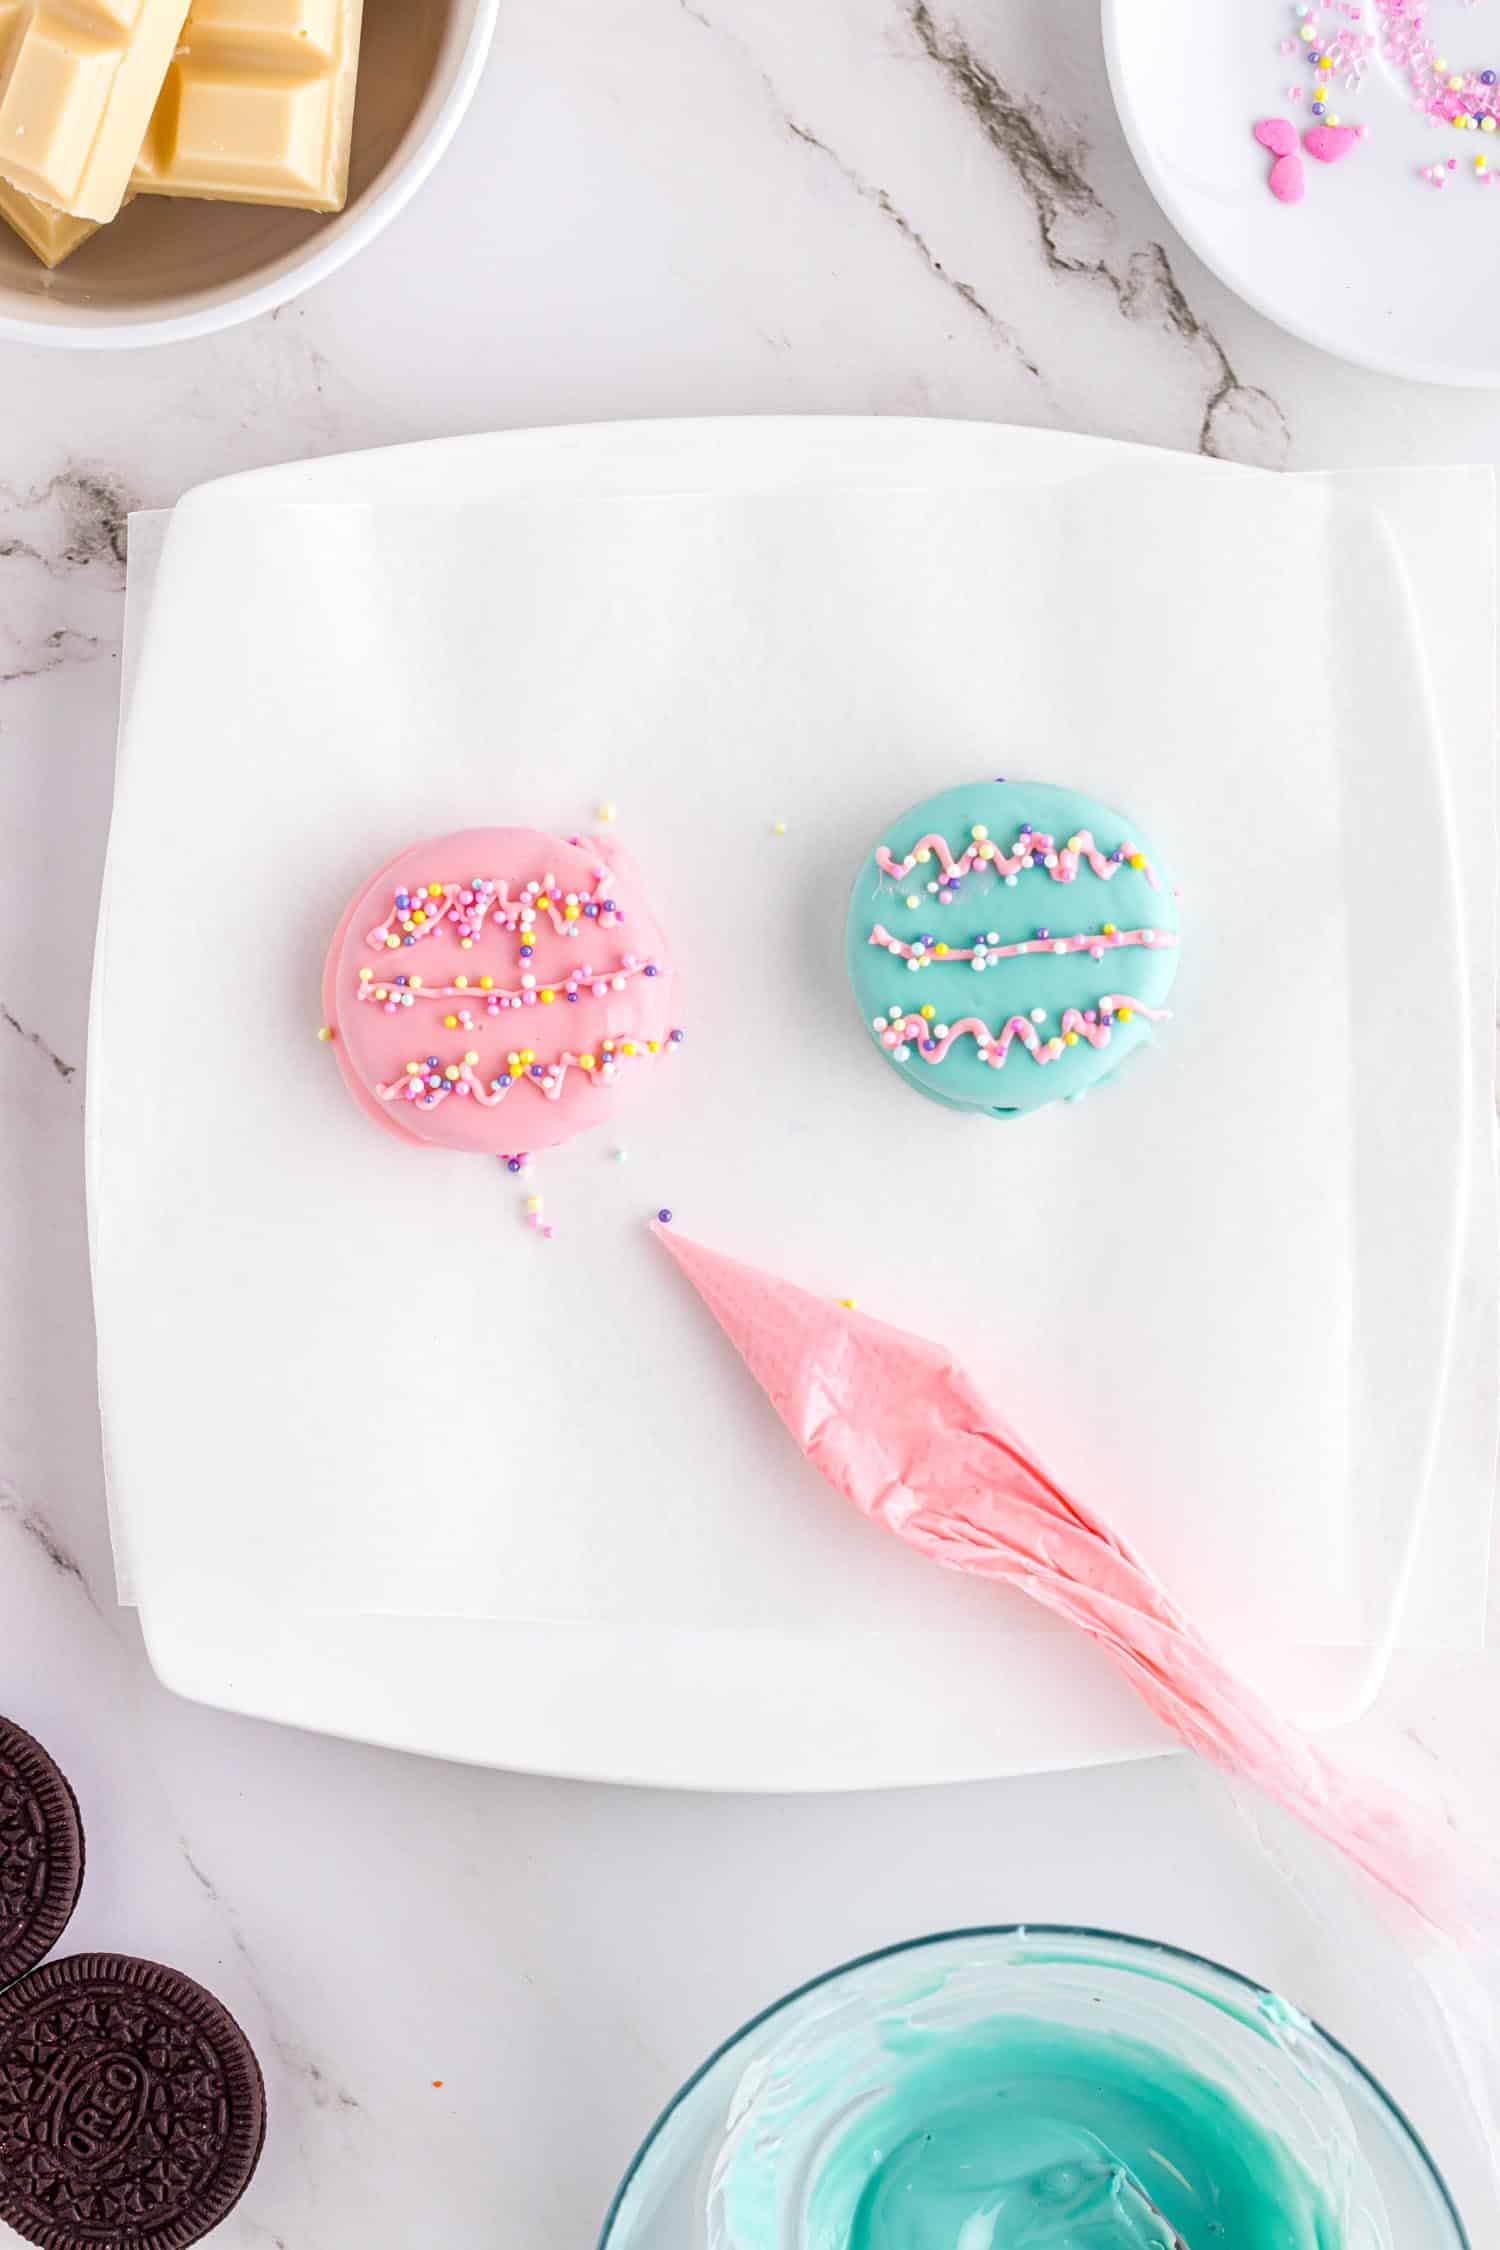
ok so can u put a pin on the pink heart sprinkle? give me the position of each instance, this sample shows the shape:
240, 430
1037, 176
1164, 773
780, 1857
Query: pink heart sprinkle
1279, 135
1329, 142
1286, 182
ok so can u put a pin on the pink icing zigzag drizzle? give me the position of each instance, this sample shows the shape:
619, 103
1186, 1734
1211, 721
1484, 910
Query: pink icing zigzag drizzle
905, 1036
429, 1086
1093, 942
1033, 848
395, 992
466, 907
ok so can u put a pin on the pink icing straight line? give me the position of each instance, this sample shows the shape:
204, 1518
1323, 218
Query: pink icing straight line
386, 991
995, 1046
904, 1434
430, 1088
1032, 849
496, 904
1092, 942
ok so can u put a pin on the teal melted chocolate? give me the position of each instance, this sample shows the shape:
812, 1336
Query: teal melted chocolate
1021, 2135
1080, 1013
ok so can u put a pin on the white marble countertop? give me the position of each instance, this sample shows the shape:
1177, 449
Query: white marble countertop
656, 207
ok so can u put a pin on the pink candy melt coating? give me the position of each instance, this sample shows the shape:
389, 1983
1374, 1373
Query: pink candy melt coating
374, 1047
901, 1432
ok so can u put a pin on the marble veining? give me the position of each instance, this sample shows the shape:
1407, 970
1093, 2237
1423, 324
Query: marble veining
471, 1991
1073, 227
63, 1069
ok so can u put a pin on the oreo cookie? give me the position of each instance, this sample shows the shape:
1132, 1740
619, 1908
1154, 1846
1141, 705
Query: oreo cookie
131, 2106
41, 1852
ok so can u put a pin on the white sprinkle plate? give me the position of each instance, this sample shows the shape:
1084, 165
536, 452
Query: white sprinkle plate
1373, 264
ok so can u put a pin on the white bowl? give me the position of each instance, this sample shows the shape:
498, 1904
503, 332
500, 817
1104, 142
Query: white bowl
170, 268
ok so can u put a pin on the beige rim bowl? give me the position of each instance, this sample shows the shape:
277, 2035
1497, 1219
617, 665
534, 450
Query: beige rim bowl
170, 268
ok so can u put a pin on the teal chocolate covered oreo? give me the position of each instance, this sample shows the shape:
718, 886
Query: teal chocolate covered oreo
1011, 944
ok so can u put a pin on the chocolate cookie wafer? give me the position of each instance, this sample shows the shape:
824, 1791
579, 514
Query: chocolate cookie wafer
41, 1852
131, 2106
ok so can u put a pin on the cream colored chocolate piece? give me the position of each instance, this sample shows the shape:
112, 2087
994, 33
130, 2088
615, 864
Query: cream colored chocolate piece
257, 105
50, 235
78, 83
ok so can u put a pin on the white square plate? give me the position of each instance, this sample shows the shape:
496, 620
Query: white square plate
927, 1683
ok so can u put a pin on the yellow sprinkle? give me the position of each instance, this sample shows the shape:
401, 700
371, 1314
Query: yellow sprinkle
450, 1023
653, 1046
1455, 85
393, 943
1109, 929
414, 1070
533, 1203
604, 812
543, 903
979, 832
1123, 1015
513, 1070
986, 851
451, 1071
471, 1057
778, 828
1075, 843
467, 943
461, 984
486, 984
528, 1055
628, 1047
940, 949
365, 975
923, 856
1072, 1039
415, 983
571, 913
419, 917
325, 1031
929, 1011
1137, 859
585, 1062
382, 992
547, 996
847, 1303
1460, 123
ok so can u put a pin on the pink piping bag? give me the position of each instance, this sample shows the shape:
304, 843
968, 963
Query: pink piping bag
902, 1432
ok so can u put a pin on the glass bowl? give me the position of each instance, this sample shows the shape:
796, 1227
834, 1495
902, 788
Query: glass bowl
732, 2162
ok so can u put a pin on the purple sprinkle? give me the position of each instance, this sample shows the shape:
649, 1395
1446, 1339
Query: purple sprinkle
665, 1216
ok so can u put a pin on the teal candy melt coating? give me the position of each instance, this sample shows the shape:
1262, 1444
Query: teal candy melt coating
1016, 2134
1013, 913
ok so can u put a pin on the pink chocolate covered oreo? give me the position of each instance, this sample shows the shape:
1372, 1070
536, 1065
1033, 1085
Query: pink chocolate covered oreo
498, 989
